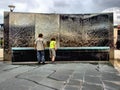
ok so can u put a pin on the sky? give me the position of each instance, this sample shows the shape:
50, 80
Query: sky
59, 6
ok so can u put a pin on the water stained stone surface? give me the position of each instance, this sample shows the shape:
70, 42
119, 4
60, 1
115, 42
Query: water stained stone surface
70, 30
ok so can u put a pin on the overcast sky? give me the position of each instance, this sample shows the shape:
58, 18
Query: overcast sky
58, 6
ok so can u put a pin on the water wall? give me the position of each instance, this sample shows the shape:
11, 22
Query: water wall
70, 30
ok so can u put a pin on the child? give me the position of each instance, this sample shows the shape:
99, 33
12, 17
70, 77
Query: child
40, 46
52, 49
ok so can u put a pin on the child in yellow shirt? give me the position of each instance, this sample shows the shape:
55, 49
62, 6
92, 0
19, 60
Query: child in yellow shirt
52, 49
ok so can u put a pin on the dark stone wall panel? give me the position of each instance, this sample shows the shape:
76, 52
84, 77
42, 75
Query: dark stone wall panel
22, 36
22, 30
48, 24
86, 30
71, 30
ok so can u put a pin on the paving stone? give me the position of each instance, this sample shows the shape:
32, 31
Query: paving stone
39, 72
111, 76
78, 76
14, 88
93, 73
74, 82
60, 76
87, 86
14, 72
16, 84
42, 87
70, 87
35, 79
7, 68
52, 83
108, 68
93, 80
110, 85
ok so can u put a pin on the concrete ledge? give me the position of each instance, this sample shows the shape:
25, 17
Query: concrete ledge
117, 54
1, 58
1, 54
23, 54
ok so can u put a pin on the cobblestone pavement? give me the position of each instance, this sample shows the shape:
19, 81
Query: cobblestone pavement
59, 76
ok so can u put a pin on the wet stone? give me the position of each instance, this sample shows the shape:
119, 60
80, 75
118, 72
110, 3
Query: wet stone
108, 68
61, 75
52, 83
95, 80
42, 87
111, 77
74, 82
87, 86
16, 84
110, 85
93, 72
70, 87
78, 76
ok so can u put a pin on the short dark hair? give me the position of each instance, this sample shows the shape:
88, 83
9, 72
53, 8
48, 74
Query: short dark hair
52, 39
40, 35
